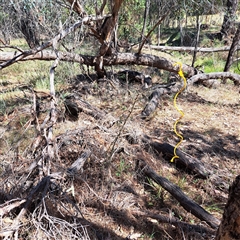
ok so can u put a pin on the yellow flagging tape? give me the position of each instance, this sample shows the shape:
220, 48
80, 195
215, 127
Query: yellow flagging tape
180, 73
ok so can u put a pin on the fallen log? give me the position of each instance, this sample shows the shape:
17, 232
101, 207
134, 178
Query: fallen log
189, 49
187, 227
185, 160
187, 203
161, 90
216, 75
74, 105
9, 58
154, 98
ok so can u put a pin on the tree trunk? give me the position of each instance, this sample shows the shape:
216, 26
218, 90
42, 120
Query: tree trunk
229, 228
146, 12
10, 58
197, 40
77, 7
229, 18
159, 26
106, 34
27, 25
233, 49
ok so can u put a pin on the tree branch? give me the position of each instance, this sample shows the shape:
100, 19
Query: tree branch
190, 49
20, 56
150, 32
117, 59
217, 75
187, 203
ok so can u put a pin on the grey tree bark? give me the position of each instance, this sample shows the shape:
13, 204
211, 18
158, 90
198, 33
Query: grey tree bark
233, 49
229, 18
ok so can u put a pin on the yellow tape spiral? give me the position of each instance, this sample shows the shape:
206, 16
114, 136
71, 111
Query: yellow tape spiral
180, 73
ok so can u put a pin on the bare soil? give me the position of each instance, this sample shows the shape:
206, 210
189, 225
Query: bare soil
111, 195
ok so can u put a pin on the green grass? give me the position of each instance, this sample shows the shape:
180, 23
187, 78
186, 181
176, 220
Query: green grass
122, 167
212, 63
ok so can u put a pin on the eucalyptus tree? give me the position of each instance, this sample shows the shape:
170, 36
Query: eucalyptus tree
228, 26
100, 25
69, 24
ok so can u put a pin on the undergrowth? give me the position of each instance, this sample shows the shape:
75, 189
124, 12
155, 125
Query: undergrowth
101, 200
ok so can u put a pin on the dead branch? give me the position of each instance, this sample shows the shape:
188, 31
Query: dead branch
77, 7
187, 203
161, 90
150, 32
41, 188
174, 221
78, 164
74, 105
21, 56
190, 49
186, 161
52, 114
217, 75
10, 205
155, 96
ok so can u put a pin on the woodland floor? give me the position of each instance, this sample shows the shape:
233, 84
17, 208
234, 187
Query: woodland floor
109, 191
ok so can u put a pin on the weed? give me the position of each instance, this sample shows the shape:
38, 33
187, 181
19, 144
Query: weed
182, 182
213, 208
3, 106
122, 167
23, 120
158, 192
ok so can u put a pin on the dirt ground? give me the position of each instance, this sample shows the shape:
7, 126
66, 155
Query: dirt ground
109, 197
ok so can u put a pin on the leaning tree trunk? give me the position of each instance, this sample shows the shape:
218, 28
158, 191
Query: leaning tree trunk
233, 49
106, 35
229, 228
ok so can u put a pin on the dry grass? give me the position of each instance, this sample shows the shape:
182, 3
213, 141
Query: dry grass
210, 130
109, 190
